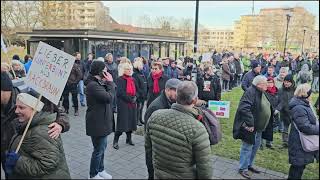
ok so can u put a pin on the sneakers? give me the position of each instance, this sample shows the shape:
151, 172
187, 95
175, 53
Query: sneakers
104, 175
97, 177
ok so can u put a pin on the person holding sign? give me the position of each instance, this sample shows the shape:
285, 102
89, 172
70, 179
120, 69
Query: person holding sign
40, 156
209, 85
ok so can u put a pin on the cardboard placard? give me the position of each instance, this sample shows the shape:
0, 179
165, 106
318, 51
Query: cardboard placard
220, 108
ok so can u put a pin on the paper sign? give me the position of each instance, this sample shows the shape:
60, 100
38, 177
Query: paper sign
49, 71
220, 108
206, 57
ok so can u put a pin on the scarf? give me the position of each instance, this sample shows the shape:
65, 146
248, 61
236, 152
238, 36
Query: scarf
272, 90
131, 88
155, 78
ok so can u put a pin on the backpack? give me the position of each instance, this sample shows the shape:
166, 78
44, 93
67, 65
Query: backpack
211, 123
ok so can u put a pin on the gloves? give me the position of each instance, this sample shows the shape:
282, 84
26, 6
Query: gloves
11, 160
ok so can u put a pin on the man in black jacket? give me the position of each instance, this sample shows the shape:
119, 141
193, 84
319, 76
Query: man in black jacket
252, 117
209, 86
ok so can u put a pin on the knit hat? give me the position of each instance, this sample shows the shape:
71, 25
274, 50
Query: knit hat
289, 78
6, 83
172, 83
254, 64
16, 57
30, 101
96, 67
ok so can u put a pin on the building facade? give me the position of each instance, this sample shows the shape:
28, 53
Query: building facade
75, 15
215, 39
268, 28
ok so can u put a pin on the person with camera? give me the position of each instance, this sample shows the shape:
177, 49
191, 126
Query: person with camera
99, 115
126, 104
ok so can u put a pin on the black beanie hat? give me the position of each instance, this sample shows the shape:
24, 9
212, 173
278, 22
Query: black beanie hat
289, 78
96, 67
6, 83
16, 57
255, 64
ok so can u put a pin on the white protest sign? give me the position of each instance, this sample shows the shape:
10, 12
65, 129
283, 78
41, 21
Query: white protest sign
206, 57
49, 71
220, 108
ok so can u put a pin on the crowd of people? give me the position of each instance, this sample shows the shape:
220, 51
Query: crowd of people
276, 94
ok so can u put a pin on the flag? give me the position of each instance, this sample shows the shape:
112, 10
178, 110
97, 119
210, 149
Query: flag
3, 45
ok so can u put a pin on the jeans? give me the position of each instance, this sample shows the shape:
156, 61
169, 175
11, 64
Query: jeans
139, 114
81, 91
99, 146
295, 172
226, 85
315, 84
248, 152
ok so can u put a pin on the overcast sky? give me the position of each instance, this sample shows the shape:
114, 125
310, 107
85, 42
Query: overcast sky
212, 14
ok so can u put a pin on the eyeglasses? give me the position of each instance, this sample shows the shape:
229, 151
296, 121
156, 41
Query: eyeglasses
155, 69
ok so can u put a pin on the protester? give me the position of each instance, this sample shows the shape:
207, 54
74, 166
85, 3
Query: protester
293, 66
142, 87
226, 75
113, 70
315, 73
146, 67
272, 94
40, 156
252, 117
174, 72
87, 64
187, 72
83, 71
239, 70
28, 62
156, 82
72, 87
8, 101
279, 79
248, 77
305, 121
187, 155
285, 95
166, 67
209, 86
304, 75
270, 72
99, 116
301, 61
18, 69
5, 67
126, 104
232, 66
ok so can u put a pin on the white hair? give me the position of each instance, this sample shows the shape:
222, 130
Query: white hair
99, 59
302, 90
123, 66
259, 79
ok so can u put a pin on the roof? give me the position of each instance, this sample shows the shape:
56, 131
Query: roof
88, 33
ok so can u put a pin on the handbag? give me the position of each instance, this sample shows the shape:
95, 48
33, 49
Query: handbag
309, 143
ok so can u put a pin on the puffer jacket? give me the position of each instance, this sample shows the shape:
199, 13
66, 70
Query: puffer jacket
180, 144
41, 157
305, 121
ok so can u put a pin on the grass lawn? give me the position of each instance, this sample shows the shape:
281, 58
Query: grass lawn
276, 159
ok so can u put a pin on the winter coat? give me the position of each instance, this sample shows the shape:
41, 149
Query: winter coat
315, 68
87, 65
142, 85
248, 114
75, 74
112, 69
301, 63
226, 74
284, 63
215, 88
285, 95
187, 71
304, 75
174, 73
247, 79
127, 108
305, 121
152, 96
178, 145
82, 67
41, 156
167, 70
268, 132
237, 64
99, 114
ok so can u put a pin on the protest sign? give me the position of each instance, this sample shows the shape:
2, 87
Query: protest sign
206, 57
220, 108
49, 71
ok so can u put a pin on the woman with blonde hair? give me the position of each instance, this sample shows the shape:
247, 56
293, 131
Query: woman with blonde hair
303, 120
126, 103
18, 69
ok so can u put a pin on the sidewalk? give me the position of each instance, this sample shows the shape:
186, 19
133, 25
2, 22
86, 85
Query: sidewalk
129, 161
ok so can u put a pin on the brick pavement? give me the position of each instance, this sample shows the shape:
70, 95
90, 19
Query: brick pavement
129, 161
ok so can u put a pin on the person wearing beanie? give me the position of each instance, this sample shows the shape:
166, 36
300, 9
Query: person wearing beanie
249, 76
305, 121
9, 94
100, 90
285, 95
39, 152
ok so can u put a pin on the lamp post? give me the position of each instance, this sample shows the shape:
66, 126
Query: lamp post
286, 38
195, 47
304, 33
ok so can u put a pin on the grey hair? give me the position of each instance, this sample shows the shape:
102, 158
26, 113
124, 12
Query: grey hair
286, 69
186, 92
108, 54
99, 59
259, 79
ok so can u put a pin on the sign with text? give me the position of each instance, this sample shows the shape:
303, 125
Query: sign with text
220, 108
206, 57
49, 71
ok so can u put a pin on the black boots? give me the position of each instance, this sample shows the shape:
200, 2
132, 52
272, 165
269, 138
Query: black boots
115, 141
129, 139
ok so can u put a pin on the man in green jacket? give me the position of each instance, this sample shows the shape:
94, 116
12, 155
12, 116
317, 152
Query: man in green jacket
176, 141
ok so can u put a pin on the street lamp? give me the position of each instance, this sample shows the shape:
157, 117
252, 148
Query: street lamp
286, 38
304, 33
195, 47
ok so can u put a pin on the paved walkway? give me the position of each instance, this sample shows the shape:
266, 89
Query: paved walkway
129, 161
